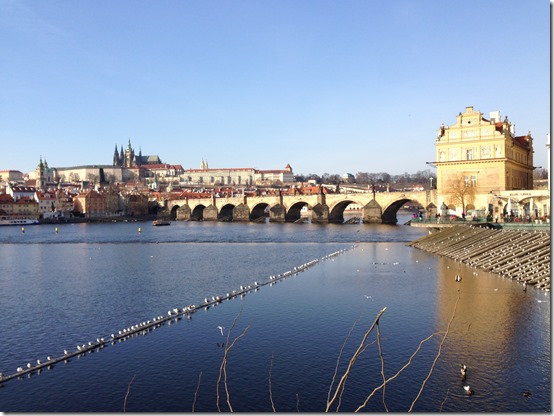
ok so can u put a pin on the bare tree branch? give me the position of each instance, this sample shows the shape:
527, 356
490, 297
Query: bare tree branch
382, 364
270, 392
223, 367
127, 394
196, 392
339, 356
438, 353
353, 360
376, 389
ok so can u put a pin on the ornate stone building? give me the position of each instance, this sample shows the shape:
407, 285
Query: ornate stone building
44, 175
484, 158
235, 176
486, 152
128, 159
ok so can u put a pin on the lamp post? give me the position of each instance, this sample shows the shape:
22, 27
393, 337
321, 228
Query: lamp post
431, 183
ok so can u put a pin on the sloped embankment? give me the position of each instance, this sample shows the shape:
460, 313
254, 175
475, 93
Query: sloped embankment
517, 254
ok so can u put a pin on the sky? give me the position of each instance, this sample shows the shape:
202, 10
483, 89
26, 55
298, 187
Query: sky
327, 86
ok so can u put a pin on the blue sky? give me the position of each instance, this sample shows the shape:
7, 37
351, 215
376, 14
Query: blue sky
327, 86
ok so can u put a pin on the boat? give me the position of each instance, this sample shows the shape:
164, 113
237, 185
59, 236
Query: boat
17, 221
161, 222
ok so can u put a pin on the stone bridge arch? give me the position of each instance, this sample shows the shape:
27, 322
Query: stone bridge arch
197, 213
293, 213
336, 212
258, 211
173, 213
225, 213
389, 213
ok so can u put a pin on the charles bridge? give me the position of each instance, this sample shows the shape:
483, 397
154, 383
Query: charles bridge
378, 207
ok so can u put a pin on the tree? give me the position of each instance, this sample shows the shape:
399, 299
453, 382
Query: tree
460, 189
540, 173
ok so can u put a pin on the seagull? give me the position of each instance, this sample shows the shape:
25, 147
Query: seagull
19, 369
29, 365
463, 370
221, 329
65, 352
38, 362
368, 297
468, 390
458, 278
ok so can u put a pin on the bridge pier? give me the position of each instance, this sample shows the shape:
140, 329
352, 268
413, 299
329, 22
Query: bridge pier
241, 213
372, 213
210, 213
320, 214
183, 213
277, 213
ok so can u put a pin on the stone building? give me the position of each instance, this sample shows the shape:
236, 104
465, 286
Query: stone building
90, 203
235, 176
128, 159
483, 158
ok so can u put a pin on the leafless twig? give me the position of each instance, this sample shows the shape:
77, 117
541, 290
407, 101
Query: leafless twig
382, 364
127, 394
444, 401
270, 392
353, 360
196, 392
438, 353
223, 367
338, 358
376, 389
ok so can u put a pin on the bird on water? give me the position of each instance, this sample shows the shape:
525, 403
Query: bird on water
458, 278
468, 390
463, 369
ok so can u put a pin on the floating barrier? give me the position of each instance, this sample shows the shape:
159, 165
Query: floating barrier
144, 327
518, 254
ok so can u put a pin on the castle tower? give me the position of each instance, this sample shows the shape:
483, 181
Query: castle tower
129, 156
116, 157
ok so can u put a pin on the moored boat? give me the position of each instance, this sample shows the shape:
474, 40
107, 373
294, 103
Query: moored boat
17, 221
161, 222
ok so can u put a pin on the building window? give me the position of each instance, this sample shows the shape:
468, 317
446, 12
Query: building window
469, 154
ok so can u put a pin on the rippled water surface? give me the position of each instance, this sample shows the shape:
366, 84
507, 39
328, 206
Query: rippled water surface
61, 289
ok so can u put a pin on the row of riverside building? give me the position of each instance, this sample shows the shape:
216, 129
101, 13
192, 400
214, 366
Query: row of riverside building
482, 167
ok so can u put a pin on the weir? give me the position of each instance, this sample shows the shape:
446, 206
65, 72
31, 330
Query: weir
520, 255
142, 328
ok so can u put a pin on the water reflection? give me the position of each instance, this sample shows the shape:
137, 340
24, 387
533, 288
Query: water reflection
77, 292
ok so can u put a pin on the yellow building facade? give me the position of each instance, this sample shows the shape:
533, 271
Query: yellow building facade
478, 160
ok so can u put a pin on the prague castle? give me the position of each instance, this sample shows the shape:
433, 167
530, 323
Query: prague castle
128, 159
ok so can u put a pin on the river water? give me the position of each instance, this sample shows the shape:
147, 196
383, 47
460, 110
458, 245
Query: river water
86, 281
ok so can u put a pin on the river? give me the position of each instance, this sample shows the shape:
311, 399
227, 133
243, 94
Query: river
85, 281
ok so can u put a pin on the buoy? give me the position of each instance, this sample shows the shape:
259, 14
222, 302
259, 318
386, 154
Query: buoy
23, 230
139, 230
56, 230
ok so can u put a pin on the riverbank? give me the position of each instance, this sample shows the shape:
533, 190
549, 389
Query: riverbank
79, 220
521, 255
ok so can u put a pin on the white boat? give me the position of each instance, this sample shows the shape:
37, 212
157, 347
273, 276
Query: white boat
17, 221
